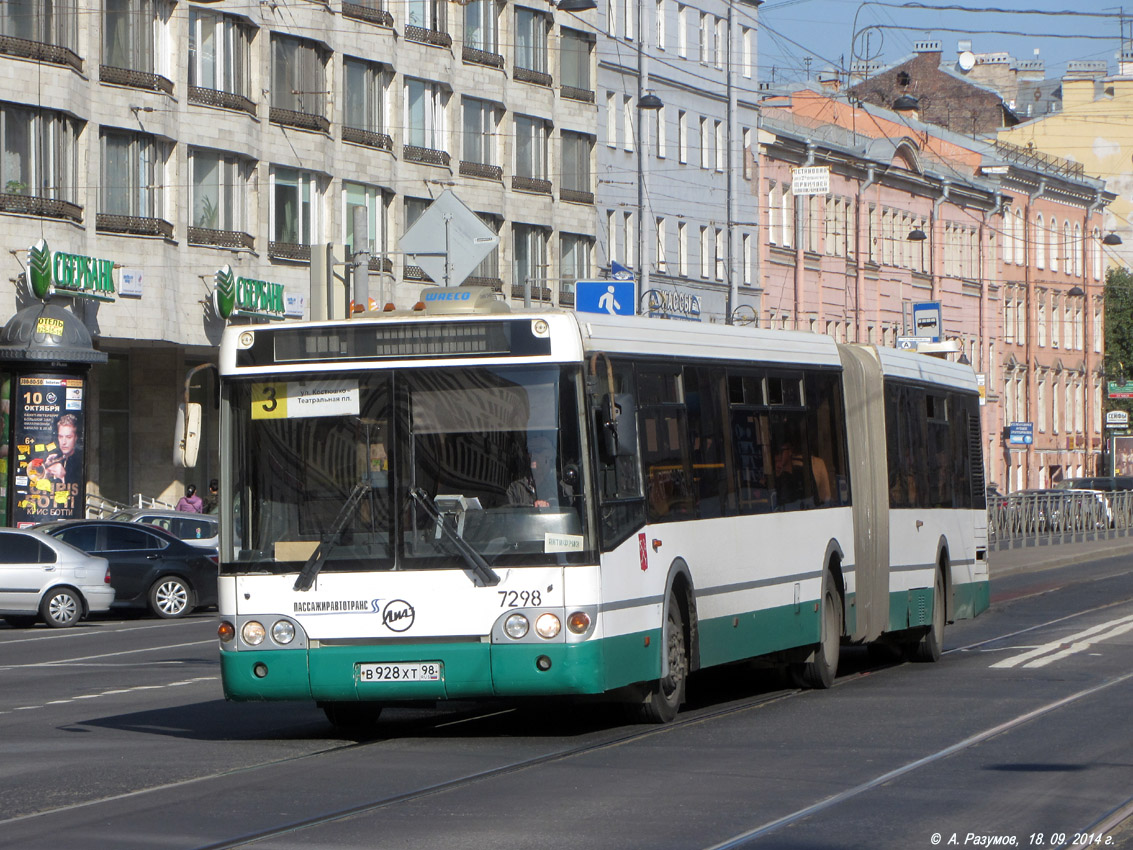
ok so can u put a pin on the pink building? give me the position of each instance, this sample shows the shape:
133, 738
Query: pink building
915, 215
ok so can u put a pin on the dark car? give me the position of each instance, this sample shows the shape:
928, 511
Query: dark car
149, 567
1106, 483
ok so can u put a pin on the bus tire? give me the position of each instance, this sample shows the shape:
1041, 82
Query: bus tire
820, 669
663, 698
927, 649
351, 716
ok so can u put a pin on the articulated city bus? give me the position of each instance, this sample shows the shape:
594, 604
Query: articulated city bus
468, 502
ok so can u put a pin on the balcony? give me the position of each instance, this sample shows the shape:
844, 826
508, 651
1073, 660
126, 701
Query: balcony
221, 100
572, 93
492, 283
301, 120
526, 75
133, 225
52, 53
231, 239
428, 36
429, 156
479, 169
369, 138
576, 196
289, 251
44, 207
415, 273
566, 298
476, 56
531, 184
380, 264
538, 292
367, 13
134, 79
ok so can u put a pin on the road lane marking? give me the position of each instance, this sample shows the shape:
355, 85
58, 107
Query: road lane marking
786, 820
65, 661
1056, 650
88, 630
113, 692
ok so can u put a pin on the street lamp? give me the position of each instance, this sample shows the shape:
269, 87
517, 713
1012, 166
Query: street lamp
1111, 238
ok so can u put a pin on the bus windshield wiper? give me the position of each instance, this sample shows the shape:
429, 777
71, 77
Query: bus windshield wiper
471, 557
314, 563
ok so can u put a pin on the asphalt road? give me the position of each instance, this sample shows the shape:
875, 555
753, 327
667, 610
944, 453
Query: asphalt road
114, 735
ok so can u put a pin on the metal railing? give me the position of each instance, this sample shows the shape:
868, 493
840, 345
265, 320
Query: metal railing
1059, 516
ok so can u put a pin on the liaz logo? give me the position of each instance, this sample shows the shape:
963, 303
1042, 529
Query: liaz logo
398, 615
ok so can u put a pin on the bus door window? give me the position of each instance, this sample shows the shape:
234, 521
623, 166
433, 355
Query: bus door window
750, 438
665, 454
712, 484
941, 474
618, 475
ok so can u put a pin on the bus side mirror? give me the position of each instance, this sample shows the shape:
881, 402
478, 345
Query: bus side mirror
608, 425
187, 435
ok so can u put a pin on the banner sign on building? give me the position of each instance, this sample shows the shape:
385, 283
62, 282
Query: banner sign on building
667, 304
1021, 433
1117, 390
47, 449
810, 180
242, 296
75, 275
1117, 419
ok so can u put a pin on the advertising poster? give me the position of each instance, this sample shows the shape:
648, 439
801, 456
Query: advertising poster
5, 434
1123, 455
47, 449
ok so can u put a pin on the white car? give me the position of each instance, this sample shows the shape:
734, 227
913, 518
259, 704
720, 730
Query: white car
42, 578
202, 530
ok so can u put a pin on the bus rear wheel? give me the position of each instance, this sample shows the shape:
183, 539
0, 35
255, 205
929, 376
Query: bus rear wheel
821, 668
352, 716
663, 698
928, 648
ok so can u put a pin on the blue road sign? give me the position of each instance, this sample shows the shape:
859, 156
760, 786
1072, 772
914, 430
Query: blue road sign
615, 297
927, 320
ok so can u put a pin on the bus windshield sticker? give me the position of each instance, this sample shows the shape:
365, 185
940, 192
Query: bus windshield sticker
562, 542
305, 399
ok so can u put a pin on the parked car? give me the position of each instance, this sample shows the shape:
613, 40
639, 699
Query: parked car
1108, 483
149, 567
195, 529
47, 579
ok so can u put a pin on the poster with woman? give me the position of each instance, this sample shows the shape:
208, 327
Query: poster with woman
47, 449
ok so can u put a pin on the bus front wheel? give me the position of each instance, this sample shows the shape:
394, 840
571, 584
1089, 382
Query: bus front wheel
662, 699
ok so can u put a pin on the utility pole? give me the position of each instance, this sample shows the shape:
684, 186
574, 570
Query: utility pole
361, 259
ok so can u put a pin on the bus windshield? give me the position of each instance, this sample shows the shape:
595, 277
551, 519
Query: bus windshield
496, 451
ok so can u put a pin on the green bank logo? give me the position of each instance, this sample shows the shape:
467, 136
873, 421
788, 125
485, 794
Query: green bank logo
55, 273
242, 296
224, 292
39, 270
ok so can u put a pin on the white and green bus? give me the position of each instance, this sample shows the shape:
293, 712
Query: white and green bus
466, 502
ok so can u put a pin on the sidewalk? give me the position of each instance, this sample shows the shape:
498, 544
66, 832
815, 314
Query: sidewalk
1033, 555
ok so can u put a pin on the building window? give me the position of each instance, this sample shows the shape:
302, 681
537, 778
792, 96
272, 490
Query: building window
424, 115
747, 39
720, 145
705, 143
39, 162
529, 260
1040, 243
627, 122
611, 119
134, 38
220, 191
219, 55
133, 175
660, 12
704, 40
54, 22
574, 263
660, 133
1077, 252
576, 180
365, 95
682, 136
374, 200
662, 235
479, 143
629, 239
298, 83
530, 41
294, 207
427, 15
576, 48
682, 32
718, 253
531, 148
481, 26
706, 237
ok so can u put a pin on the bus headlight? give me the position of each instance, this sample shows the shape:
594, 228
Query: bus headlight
516, 626
253, 633
547, 626
283, 632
